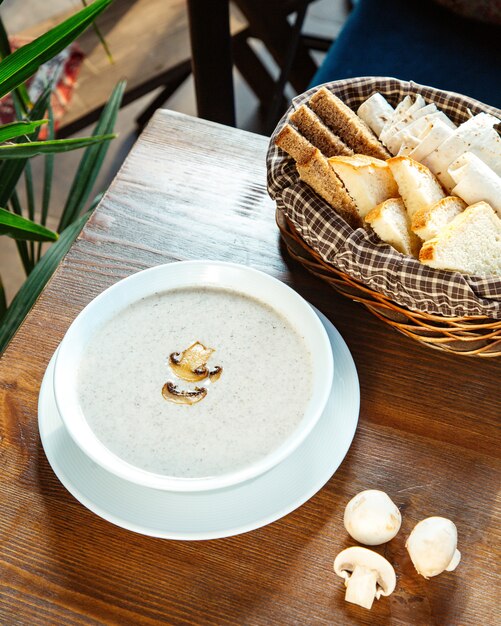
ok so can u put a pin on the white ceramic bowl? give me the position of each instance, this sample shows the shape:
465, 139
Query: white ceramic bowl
163, 278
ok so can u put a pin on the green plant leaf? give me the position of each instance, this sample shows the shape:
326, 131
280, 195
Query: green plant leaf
3, 297
48, 172
101, 38
19, 227
22, 246
33, 148
92, 160
18, 129
21, 93
23, 63
10, 171
34, 284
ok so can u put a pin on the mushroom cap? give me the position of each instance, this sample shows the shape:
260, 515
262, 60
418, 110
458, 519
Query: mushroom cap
432, 546
348, 559
371, 517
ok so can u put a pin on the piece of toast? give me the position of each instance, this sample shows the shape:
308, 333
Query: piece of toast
320, 176
391, 223
346, 124
312, 127
296, 146
470, 243
429, 221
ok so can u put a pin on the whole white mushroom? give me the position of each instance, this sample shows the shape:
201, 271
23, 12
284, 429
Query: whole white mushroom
372, 518
432, 546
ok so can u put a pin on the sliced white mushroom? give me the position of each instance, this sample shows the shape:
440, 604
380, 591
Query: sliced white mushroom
432, 546
371, 517
367, 575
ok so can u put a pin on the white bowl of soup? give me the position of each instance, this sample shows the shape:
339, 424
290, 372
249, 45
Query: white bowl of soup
193, 376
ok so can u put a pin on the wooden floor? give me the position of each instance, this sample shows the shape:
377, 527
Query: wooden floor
325, 18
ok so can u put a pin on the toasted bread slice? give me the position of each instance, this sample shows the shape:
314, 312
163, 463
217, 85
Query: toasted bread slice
312, 127
416, 184
346, 124
429, 221
368, 180
299, 148
391, 223
470, 243
475, 181
320, 176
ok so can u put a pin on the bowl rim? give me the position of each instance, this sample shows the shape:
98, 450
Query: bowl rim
143, 281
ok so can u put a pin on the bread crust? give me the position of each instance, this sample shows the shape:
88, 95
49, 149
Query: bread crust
346, 123
312, 127
319, 175
296, 146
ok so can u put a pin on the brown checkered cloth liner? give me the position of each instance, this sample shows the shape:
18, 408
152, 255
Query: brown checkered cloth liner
359, 253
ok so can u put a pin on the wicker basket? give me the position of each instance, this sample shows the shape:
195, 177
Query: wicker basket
472, 336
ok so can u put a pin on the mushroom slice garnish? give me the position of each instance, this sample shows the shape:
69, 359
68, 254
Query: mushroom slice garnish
215, 374
178, 396
367, 575
191, 365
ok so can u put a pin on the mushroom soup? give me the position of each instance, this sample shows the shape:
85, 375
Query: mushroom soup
251, 385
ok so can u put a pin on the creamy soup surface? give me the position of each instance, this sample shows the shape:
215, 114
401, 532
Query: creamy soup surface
256, 403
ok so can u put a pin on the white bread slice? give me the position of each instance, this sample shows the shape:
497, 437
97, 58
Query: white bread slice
391, 223
475, 181
436, 134
375, 112
320, 176
428, 222
470, 243
416, 184
477, 135
312, 127
296, 146
346, 124
368, 180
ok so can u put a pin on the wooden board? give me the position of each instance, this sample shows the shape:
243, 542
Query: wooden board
428, 432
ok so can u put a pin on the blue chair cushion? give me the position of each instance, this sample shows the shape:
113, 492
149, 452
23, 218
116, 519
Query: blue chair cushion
421, 41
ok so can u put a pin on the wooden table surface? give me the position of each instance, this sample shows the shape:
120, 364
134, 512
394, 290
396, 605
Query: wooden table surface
428, 433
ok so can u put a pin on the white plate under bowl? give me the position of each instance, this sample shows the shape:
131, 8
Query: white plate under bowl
213, 514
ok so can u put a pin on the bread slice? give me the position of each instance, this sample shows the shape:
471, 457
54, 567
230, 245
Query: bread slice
368, 180
312, 127
416, 184
299, 148
391, 223
470, 243
344, 122
320, 176
429, 221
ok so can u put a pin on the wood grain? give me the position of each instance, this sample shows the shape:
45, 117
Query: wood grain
428, 432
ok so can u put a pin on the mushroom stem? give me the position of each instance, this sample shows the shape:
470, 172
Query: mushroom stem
454, 561
361, 587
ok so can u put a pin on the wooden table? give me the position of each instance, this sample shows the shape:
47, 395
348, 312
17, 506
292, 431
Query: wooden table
428, 432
